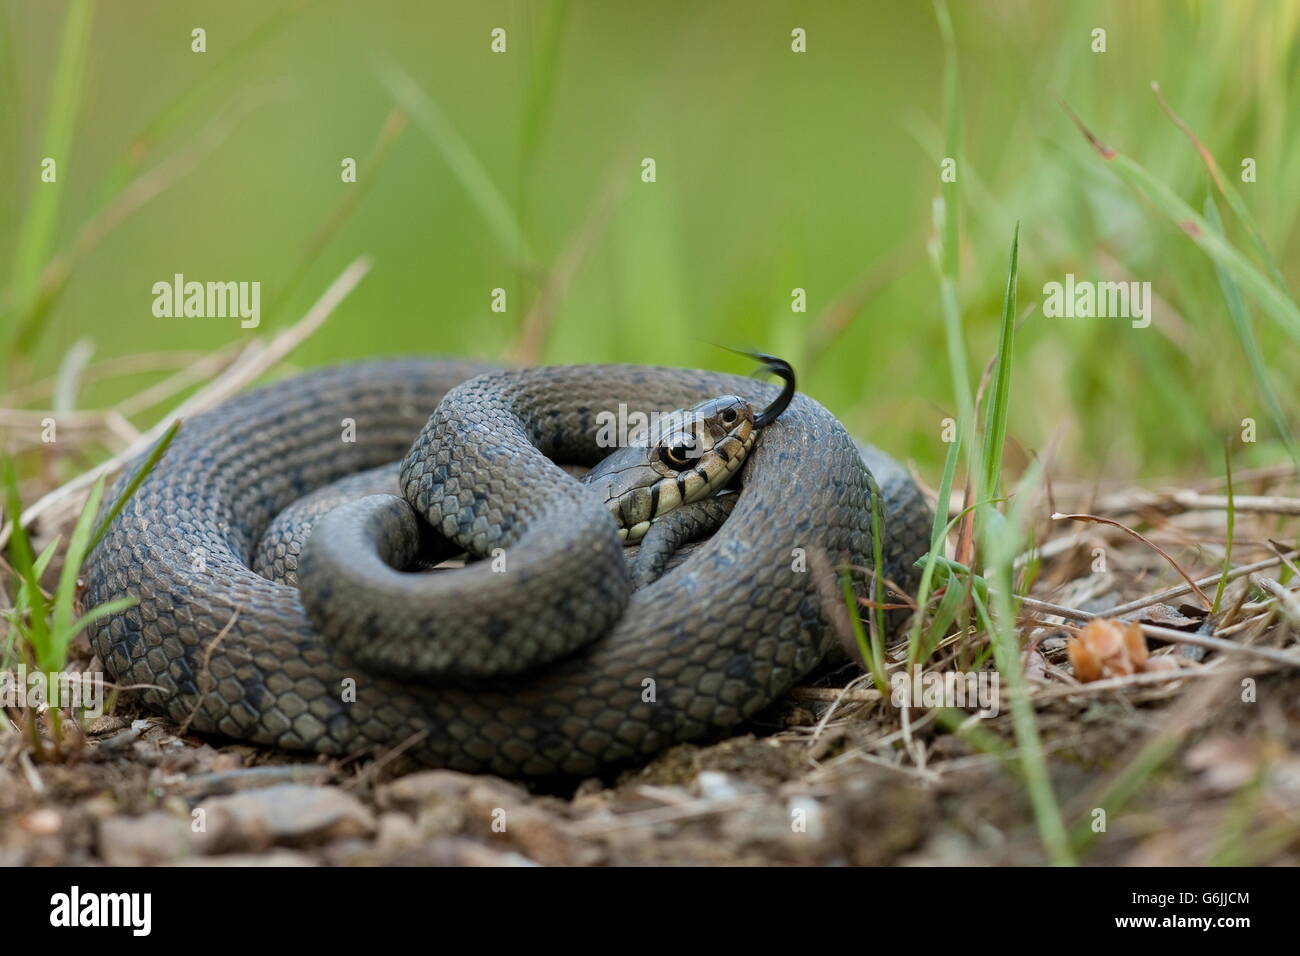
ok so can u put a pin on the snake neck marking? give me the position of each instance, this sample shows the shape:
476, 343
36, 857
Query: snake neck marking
684, 457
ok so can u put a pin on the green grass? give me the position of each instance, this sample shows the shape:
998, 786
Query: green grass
137, 479
1245, 332
1000, 540
192, 102
36, 241
1272, 297
775, 170
515, 148
41, 626
999, 406
459, 156
45, 625
1232, 524
945, 257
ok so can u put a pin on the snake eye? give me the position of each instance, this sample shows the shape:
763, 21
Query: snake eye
676, 457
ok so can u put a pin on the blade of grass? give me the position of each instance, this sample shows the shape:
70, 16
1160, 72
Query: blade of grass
462, 161
951, 604
945, 252
945, 255
121, 191
65, 595
954, 596
103, 610
939, 531
43, 560
37, 237
394, 126
878, 584
995, 426
155, 455
189, 101
17, 615
539, 96
1246, 335
24, 564
1273, 300
952, 137
1232, 520
954, 336
871, 651
1237, 204
1001, 543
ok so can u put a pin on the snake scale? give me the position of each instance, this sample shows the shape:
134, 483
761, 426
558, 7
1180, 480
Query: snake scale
223, 649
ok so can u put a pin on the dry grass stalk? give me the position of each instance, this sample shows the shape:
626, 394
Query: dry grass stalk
254, 360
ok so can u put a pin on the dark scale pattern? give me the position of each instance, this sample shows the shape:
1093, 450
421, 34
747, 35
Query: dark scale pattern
280, 548
720, 636
682, 525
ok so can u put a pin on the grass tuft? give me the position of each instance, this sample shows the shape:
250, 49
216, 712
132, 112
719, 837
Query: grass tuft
1274, 300
42, 626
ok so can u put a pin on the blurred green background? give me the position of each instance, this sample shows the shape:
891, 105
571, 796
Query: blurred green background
775, 170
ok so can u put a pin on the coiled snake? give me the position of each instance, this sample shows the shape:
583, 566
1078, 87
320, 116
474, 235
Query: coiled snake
487, 676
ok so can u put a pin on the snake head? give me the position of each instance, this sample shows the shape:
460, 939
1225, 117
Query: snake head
679, 458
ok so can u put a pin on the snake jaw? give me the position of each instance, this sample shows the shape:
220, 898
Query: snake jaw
692, 454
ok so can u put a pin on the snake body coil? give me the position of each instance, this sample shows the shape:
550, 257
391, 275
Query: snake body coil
695, 652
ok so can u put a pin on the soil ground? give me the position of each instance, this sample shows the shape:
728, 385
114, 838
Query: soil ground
832, 774
1190, 766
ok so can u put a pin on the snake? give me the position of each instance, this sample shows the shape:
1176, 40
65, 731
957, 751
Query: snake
291, 561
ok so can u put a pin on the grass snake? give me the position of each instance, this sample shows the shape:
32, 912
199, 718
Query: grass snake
540, 659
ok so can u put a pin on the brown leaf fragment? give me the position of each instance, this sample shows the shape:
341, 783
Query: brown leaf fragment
1111, 648
1135, 645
